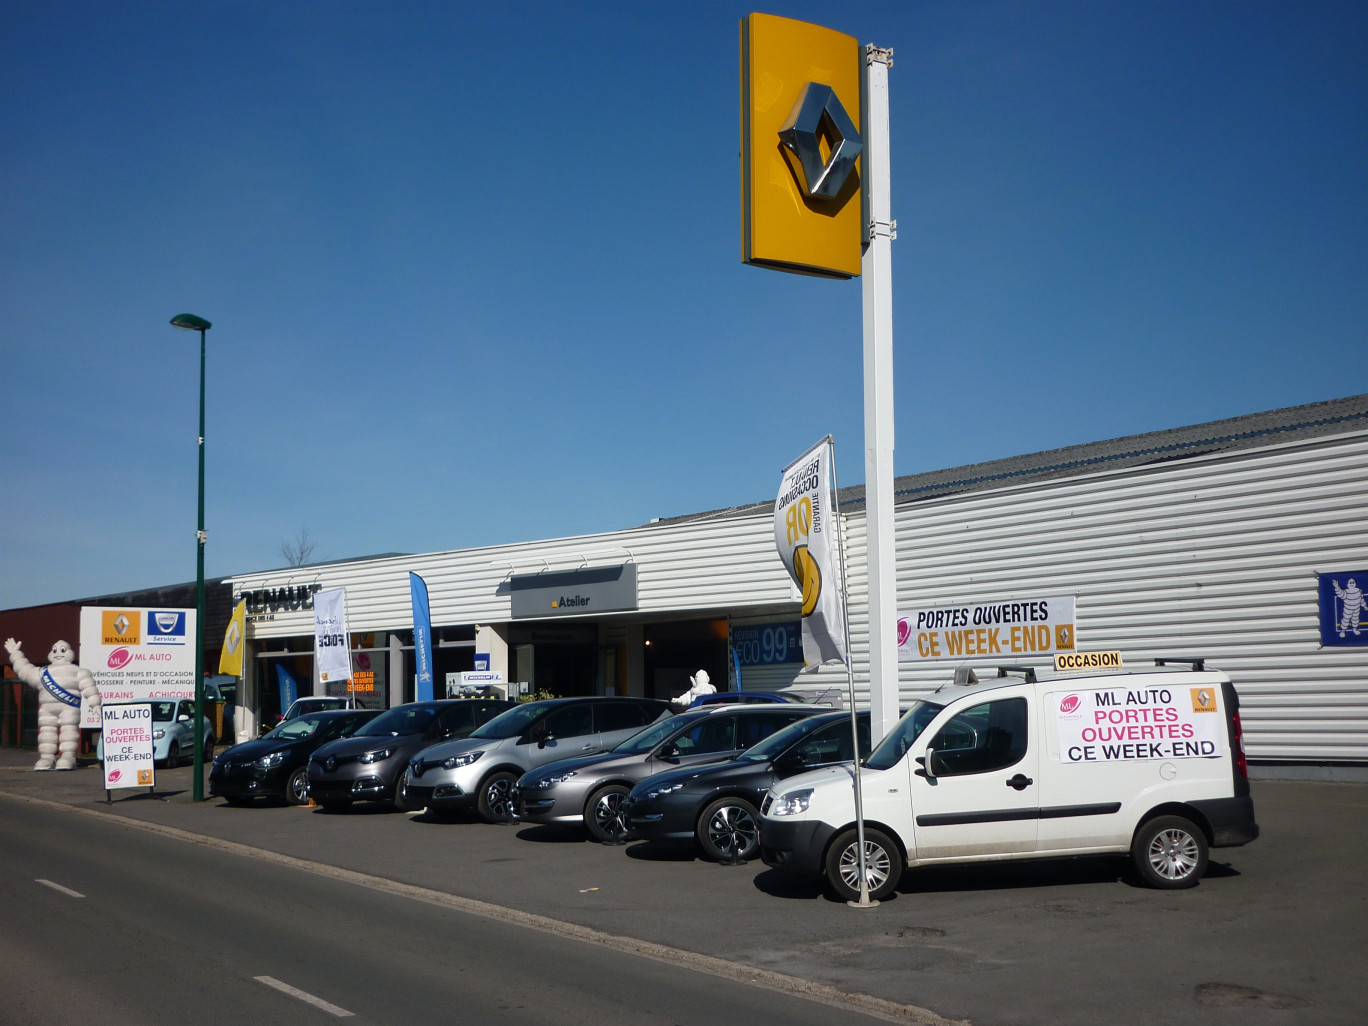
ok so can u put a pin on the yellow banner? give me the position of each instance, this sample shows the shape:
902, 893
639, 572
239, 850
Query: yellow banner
234, 641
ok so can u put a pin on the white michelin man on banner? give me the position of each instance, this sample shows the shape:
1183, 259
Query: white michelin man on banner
1353, 606
699, 686
61, 686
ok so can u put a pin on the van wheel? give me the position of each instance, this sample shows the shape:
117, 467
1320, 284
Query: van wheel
1169, 852
496, 797
883, 865
605, 815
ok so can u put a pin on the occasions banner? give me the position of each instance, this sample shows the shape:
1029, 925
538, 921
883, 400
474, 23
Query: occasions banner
805, 537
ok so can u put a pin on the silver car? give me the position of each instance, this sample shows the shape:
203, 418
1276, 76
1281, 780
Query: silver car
591, 790
478, 772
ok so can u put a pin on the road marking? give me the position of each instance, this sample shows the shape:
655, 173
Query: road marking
58, 887
821, 993
304, 996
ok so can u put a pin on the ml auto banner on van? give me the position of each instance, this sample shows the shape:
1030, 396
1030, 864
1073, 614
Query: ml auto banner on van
136, 655
990, 630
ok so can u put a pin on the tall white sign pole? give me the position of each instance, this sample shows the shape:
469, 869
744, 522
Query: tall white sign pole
876, 272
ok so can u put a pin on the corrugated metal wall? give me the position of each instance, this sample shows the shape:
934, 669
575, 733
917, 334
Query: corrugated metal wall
1211, 556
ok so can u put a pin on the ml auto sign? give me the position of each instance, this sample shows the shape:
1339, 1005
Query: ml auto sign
574, 592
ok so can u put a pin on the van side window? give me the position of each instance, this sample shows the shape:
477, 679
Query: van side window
986, 737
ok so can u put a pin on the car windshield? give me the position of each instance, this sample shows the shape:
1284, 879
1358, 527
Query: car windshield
300, 726
163, 712
643, 741
405, 719
778, 742
900, 738
513, 722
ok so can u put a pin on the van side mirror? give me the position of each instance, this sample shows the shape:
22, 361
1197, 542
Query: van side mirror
926, 765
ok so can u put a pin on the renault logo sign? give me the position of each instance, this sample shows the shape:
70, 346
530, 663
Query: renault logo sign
818, 115
802, 154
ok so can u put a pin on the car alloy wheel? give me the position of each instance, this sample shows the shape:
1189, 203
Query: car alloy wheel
607, 813
496, 798
728, 830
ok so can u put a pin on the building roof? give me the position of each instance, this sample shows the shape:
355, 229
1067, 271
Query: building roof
1254, 430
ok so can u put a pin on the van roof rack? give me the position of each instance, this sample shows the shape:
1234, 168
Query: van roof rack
1029, 671
1198, 665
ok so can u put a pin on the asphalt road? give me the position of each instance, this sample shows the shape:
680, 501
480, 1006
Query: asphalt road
1275, 934
110, 925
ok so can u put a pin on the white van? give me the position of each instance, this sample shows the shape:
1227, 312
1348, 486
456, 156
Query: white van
1148, 762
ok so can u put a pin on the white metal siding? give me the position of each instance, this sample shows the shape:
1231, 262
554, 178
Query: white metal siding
1212, 556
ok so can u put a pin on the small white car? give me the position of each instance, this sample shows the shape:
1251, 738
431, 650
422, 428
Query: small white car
1147, 762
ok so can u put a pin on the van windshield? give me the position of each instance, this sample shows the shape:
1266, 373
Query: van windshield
900, 738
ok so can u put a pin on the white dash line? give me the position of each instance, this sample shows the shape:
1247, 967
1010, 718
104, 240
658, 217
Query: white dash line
304, 996
58, 887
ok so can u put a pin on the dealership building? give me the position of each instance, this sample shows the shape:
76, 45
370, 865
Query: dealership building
1234, 541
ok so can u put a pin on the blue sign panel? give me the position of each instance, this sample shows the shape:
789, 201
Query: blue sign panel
768, 643
1344, 609
165, 627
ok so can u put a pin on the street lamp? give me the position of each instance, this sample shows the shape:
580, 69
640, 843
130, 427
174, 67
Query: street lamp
192, 323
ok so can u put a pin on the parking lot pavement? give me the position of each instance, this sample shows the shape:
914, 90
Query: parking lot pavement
1274, 934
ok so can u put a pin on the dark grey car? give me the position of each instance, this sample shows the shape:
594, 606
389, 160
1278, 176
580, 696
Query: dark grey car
369, 765
591, 789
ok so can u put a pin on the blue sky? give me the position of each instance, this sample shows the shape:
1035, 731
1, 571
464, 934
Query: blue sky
474, 271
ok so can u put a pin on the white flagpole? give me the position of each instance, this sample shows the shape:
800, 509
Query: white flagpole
835, 507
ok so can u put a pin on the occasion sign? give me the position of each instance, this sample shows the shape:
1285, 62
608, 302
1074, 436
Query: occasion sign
1017, 627
137, 654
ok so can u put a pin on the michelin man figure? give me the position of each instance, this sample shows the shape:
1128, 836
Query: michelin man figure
61, 686
699, 686
1354, 603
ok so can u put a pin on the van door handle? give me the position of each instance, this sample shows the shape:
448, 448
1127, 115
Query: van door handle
1020, 782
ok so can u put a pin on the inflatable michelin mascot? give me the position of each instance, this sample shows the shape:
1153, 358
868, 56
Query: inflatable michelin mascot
699, 685
61, 686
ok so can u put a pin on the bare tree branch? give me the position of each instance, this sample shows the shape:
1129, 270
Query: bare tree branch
297, 550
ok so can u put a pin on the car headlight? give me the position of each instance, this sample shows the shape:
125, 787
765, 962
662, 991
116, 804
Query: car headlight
274, 759
159, 733
554, 779
656, 792
379, 756
792, 804
464, 759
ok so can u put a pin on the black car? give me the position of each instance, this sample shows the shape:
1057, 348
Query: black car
369, 766
276, 765
718, 804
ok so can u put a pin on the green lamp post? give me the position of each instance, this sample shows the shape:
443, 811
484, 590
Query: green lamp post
192, 323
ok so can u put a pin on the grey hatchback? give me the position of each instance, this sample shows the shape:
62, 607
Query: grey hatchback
591, 789
369, 765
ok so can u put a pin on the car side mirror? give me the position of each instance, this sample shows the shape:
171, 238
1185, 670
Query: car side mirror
183, 718
789, 765
927, 765
543, 737
670, 751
